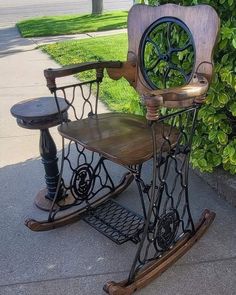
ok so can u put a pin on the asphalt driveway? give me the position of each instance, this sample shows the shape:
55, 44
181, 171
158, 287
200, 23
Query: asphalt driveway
15, 10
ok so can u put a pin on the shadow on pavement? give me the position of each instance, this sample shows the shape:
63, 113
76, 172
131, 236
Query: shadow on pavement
11, 41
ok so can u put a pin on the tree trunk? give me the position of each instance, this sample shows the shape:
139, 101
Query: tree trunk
97, 6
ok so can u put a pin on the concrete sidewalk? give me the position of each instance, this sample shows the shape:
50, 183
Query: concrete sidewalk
47, 40
76, 259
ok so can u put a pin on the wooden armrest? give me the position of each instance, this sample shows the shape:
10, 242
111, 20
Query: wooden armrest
178, 97
73, 69
196, 88
52, 74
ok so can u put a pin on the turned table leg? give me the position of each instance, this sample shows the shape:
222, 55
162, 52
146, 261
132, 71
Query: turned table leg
41, 114
48, 152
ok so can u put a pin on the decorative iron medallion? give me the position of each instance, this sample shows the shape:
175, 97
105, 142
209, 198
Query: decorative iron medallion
167, 229
167, 54
82, 181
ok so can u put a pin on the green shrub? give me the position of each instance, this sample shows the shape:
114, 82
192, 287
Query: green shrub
215, 139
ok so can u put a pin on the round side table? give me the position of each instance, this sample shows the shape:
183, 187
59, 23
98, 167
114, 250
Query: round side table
42, 113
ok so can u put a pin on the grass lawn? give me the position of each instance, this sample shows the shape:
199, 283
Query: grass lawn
117, 95
72, 24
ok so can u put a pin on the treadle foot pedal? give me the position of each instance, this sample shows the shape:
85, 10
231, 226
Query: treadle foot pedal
116, 222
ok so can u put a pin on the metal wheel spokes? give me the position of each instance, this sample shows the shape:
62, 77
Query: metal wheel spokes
167, 54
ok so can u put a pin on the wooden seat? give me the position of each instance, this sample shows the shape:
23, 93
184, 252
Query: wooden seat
124, 139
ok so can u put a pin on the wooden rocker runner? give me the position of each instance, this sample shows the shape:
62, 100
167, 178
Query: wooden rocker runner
169, 64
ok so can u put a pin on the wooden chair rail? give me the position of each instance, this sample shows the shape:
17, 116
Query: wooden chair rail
52, 74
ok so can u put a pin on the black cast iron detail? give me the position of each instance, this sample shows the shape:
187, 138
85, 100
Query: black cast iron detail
167, 229
168, 215
167, 53
79, 98
86, 178
116, 222
88, 175
82, 181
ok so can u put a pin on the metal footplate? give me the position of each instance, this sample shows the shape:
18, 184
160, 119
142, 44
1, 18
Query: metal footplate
116, 222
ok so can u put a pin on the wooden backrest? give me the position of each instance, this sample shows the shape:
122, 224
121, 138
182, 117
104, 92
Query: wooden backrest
201, 22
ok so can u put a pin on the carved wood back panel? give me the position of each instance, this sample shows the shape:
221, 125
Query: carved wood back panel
200, 23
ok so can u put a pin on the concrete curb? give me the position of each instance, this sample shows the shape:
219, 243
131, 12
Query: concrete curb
53, 39
223, 183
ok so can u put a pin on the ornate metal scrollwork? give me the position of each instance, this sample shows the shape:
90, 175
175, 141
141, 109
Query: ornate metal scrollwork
79, 98
82, 181
167, 229
168, 212
167, 54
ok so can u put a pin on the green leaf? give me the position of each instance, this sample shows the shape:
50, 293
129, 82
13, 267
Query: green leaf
202, 163
222, 137
223, 98
233, 108
231, 151
197, 141
225, 126
233, 159
223, 44
225, 58
216, 160
234, 43
212, 135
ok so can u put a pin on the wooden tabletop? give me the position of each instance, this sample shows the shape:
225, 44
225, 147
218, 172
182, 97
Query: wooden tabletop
38, 108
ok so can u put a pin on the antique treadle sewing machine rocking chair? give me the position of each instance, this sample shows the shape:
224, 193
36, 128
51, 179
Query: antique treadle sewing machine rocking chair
169, 64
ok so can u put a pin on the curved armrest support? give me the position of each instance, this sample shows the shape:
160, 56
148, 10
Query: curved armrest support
127, 70
52, 74
178, 97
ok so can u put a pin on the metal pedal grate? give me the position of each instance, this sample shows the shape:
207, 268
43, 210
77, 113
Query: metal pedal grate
116, 222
